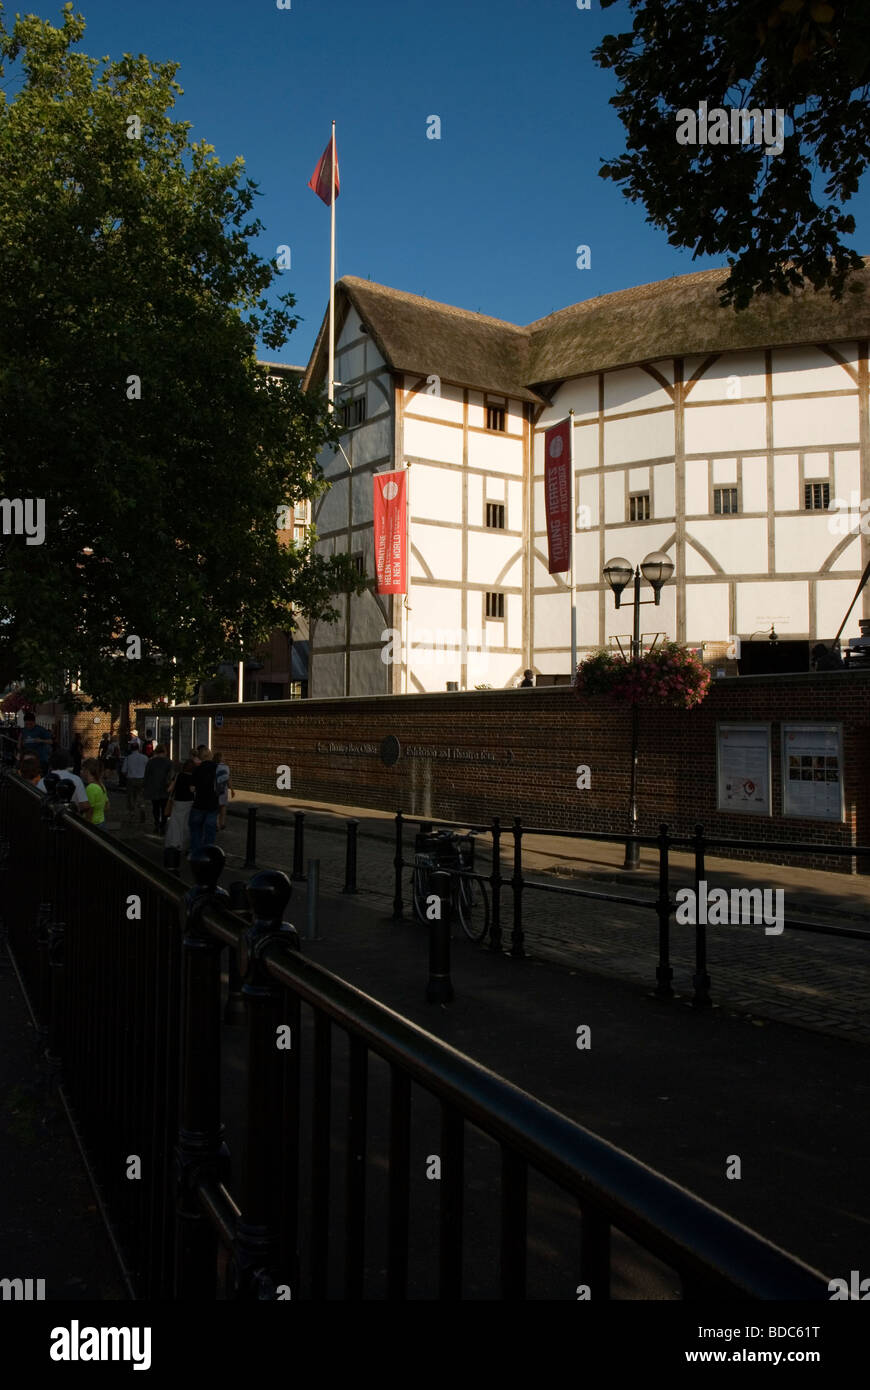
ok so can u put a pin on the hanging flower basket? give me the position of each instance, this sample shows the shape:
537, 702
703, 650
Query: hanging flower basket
14, 702
670, 675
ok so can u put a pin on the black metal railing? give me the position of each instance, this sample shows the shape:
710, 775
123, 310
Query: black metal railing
663, 904
335, 1108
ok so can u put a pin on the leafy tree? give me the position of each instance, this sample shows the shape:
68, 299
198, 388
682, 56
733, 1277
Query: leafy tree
130, 397
766, 213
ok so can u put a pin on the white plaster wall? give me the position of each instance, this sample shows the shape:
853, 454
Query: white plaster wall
370, 441
639, 479
614, 497
514, 417
436, 493
817, 465
786, 491
587, 569
724, 472
587, 493
661, 618
706, 613
847, 474
695, 563
330, 510
476, 416
551, 620
328, 672
585, 448
579, 395
754, 485
803, 543
713, 429
440, 548
350, 365
488, 555
717, 385
739, 545
368, 674
432, 441
515, 503
663, 490
798, 369
635, 542
696, 493
373, 357
833, 597
497, 452
803, 422
447, 406
849, 562
641, 437
633, 389
435, 607
774, 601
379, 398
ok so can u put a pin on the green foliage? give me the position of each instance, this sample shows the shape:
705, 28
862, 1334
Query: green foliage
119, 258
810, 59
668, 675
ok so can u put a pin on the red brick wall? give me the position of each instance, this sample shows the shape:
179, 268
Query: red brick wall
523, 747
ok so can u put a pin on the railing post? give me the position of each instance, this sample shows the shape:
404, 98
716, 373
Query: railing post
700, 979
251, 841
350, 858
298, 847
256, 1249
495, 885
234, 1010
56, 960
397, 865
517, 884
664, 973
312, 906
200, 1154
439, 988
43, 989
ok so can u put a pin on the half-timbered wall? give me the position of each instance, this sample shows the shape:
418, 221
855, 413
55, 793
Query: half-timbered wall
765, 422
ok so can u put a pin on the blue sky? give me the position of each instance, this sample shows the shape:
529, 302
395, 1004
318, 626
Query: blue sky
489, 216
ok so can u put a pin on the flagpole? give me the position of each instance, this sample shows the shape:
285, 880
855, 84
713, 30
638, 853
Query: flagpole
573, 535
406, 606
331, 394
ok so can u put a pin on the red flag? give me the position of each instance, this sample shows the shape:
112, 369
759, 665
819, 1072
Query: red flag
557, 495
391, 539
320, 179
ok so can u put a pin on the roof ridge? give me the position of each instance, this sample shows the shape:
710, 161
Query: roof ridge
355, 281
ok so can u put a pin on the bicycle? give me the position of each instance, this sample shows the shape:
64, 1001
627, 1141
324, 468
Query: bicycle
469, 898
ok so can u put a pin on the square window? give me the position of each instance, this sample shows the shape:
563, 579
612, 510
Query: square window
817, 497
353, 413
638, 507
495, 516
495, 417
725, 501
495, 605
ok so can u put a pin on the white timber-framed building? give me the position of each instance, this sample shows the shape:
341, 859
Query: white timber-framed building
724, 438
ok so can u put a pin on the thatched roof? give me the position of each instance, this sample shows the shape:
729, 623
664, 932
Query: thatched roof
421, 336
668, 318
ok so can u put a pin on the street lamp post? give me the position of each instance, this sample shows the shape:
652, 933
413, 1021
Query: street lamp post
656, 569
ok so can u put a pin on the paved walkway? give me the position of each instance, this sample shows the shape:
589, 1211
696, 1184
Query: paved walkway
813, 981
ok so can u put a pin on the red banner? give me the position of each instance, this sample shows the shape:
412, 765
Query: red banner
320, 180
391, 537
557, 495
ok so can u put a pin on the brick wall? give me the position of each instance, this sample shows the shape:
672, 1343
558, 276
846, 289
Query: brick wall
515, 752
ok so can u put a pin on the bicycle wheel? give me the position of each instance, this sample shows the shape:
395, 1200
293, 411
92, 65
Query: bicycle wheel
472, 902
420, 891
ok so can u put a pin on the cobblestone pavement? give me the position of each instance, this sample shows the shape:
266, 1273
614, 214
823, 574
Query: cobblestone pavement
811, 981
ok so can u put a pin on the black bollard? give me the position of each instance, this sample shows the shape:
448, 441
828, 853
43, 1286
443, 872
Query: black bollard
350, 858
297, 875
439, 988
251, 842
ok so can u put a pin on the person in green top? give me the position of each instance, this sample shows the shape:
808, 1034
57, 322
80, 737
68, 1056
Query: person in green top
96, 793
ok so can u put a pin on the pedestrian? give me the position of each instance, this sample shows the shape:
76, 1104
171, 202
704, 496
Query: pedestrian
178, 808
155, 788
77, 753
203, 813
59, 764
35, 738
29, 769
133, 767
103, 750
148, 747
528, 678
95, 791
222, 782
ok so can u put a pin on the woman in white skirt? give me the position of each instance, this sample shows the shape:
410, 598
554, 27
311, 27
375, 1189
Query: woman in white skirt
178, 809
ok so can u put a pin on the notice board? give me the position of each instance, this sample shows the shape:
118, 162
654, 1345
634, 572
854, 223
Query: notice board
743, 768
812, 771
